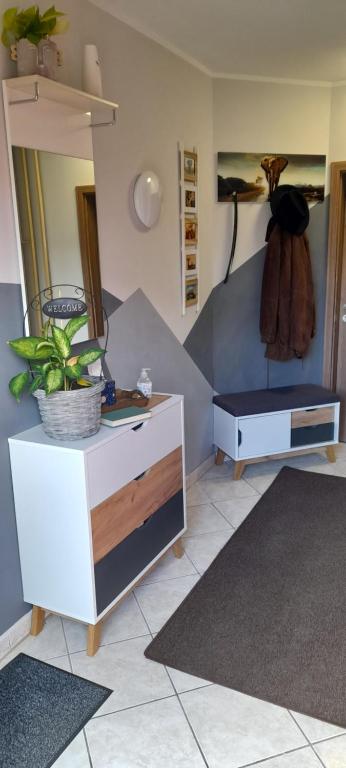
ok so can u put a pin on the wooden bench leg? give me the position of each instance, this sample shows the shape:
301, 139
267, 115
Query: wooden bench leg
330, 451
178, 549
37, 620
219, 458
239, 467
94, 637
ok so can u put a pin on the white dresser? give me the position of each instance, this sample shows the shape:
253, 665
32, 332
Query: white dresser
94, 515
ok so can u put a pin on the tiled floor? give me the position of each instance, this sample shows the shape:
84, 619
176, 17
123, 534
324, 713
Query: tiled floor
157, 717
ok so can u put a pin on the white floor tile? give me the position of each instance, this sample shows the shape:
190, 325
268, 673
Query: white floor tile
204, 518
261, 482
62, 662
302, 758
220, 490
197, 495
236, 510
317, 730
235, 730
124, 622
170, 567
203, 549
158, 601
124, 668
219, 472
75, 756
49, 644
151, 736
333, 752
184, 682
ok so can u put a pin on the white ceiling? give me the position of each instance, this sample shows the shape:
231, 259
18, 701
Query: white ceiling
290, 39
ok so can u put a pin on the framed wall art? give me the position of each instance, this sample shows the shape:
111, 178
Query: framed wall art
189, 228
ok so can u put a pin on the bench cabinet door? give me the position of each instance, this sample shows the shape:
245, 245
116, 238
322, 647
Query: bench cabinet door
261, 435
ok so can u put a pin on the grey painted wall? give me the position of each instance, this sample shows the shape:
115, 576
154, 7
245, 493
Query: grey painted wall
138, 338
13, 418
227, 330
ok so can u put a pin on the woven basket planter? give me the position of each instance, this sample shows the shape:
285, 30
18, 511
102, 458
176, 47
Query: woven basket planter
71, 415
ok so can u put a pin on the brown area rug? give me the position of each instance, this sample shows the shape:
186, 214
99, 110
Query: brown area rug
268, 618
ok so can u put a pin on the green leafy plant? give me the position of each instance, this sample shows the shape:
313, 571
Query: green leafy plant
51, 365
31, 24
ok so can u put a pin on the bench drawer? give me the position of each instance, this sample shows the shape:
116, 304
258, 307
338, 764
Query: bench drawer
312, 417
116, 517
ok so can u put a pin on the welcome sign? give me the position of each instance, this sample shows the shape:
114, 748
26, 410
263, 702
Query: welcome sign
64, 308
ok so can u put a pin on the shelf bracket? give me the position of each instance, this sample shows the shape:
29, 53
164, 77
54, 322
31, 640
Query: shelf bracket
109, 122
30, 99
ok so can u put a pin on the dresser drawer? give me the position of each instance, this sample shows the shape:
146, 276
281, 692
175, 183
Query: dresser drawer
115, 463
129, 558
312, 417
116, 517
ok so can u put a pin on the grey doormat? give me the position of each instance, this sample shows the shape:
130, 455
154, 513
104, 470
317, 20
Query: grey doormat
42, 709
268, 618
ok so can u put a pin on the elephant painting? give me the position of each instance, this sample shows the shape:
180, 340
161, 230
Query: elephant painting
273, 165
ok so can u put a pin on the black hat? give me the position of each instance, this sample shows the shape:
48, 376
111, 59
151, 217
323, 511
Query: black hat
290, 209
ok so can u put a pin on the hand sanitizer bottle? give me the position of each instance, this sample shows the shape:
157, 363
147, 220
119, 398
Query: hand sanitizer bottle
144, 384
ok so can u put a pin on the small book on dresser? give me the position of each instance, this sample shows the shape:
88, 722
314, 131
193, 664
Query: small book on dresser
123, 416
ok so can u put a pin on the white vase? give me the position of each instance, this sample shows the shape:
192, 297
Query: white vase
92, 82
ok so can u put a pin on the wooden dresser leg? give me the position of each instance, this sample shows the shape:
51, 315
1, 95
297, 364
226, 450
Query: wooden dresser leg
94, 637
239, 467
330, 451
219, 458
178, 549
37, 620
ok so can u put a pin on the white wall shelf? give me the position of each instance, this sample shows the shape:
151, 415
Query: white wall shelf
24, 88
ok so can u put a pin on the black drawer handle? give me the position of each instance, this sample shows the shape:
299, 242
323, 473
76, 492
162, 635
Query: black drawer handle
146, 472
137, 427
239, 437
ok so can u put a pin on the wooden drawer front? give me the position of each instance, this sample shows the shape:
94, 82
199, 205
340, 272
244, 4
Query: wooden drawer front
115, 463
116, 517
121, 566
312, 416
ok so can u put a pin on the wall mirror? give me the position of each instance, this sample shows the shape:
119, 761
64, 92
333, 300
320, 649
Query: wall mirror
50, 135
56, 205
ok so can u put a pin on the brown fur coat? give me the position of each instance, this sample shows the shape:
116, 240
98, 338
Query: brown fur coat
287, 321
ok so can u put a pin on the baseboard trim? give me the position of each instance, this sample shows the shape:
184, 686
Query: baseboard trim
15, 634
199, 471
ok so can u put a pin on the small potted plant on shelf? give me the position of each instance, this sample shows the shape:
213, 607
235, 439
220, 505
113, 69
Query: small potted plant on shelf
69, 402
27, 34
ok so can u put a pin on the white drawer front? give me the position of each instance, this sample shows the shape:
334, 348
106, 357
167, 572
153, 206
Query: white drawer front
260, 435
114, 464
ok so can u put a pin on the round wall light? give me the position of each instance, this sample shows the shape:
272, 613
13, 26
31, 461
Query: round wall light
147, 197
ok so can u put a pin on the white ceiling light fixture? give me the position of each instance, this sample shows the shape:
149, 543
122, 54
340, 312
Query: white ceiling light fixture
147, 197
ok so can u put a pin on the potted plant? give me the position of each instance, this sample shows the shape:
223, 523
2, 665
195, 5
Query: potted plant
69, 403
27, 33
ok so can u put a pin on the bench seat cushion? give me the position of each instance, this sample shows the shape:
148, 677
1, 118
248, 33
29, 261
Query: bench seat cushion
278, 399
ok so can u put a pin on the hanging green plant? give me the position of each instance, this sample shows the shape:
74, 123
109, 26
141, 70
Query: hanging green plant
52, 365
31, 25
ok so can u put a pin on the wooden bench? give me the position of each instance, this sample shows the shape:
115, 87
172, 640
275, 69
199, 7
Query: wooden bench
257, 425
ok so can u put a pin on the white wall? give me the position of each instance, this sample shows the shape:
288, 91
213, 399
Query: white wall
162, 100
262, 117
338, 124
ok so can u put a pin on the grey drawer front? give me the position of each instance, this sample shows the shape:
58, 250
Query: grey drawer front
319, 433
120, 566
